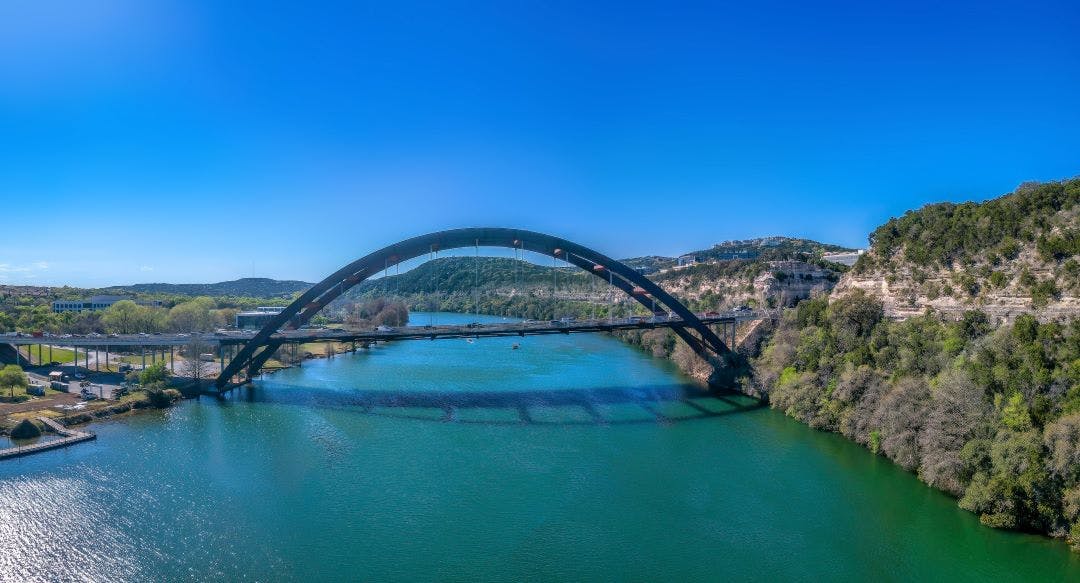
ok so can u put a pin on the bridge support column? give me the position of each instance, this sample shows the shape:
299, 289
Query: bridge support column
106, 358
97, 359
172, 360
50, 353
142, 353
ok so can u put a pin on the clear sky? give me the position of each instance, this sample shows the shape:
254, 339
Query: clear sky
186, 141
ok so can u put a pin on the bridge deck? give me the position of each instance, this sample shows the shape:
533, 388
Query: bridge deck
402, 333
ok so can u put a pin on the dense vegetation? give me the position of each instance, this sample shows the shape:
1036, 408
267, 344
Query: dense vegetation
178, 314
991, 416
374, 312
945, 234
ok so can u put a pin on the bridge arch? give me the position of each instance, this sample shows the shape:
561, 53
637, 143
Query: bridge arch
259, 349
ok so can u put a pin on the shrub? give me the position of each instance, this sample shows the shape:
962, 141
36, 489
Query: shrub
25, 430
155, 373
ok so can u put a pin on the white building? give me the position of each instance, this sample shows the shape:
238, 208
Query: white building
95, 303
848, 259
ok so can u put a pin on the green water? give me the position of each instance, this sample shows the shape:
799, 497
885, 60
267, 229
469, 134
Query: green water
570, 458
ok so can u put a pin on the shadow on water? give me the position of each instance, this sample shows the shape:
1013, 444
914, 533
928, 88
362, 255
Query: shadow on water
672, 403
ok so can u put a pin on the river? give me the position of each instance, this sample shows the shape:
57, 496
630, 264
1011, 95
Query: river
568, 458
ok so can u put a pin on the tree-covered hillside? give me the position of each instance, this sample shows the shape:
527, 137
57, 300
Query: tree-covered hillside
989, 415
1005, 256
946, 234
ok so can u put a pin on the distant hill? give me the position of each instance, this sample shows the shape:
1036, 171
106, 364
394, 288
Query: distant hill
259, 287
458, 275
768, 248
650, 263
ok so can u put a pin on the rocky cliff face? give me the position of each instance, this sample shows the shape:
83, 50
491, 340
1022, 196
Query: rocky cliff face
905, 294
1011, 255
1003, 288
770, 284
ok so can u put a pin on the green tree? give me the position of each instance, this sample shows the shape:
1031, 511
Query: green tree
12, 376
192, 316
154, 374
127, 317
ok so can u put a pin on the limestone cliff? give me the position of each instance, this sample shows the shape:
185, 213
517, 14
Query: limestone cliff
1011, 255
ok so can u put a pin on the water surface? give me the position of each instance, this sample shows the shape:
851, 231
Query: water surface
569, 458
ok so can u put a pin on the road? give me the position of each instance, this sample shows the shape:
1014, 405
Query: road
213, 341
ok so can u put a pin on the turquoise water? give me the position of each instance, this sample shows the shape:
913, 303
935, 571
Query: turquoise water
569, 458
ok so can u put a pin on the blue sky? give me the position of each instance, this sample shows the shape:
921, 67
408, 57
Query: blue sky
187, 141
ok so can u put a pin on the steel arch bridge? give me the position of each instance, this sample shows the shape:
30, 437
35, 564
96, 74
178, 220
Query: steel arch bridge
262, 346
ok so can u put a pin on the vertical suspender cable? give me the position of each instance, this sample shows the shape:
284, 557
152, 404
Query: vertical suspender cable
554, 287
476, 280
611, 296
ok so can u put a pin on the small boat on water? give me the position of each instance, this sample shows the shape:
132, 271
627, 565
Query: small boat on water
470, 340
515, 346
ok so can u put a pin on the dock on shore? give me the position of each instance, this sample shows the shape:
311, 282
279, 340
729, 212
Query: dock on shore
70, 436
